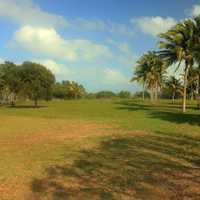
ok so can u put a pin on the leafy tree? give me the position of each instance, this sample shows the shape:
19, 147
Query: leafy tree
174, 86
124, 94
11, 80
69, 90
37, 81
60, 91
150, 70
178, 46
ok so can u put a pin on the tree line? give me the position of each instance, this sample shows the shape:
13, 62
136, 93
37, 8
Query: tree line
33, 81
179, 48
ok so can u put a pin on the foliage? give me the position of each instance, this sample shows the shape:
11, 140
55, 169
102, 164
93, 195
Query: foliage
179, 45
173, 88
105, 94
37, 81
150, 70
29, 80
124, 94
10, 81
68, 90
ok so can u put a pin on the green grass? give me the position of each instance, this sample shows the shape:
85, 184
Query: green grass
100, 149
128, 114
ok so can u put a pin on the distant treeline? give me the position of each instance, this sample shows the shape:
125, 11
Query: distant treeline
32, 81
109, 94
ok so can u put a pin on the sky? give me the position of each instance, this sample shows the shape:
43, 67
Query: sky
94, 42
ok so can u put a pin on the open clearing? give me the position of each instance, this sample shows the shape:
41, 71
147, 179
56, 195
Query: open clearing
99, 149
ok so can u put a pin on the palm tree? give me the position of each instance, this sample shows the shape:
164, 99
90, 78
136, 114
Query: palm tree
149, 71
140, 76
178, 47
196, 51
174, 85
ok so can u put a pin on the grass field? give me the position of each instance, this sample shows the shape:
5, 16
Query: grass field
99, 149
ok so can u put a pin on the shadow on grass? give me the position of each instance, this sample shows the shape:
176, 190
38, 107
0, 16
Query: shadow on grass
166, 112
128, 167
26, 106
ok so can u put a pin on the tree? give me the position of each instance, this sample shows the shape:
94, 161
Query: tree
174, 85
124, 94
37, 81
69, 90
178, 46
196, 52
150, 70
11, 80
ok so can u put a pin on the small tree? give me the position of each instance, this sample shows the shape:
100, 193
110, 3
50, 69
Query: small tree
175, 86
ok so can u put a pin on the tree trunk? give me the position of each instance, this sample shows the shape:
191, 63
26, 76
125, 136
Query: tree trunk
36, 102
13, 99
143, 92
192, 96
173, 96
156, 91
185, 88
152, 94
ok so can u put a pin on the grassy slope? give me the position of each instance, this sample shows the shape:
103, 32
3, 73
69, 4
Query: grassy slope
173, 147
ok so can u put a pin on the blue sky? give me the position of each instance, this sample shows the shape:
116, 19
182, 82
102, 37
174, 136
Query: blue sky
94, 42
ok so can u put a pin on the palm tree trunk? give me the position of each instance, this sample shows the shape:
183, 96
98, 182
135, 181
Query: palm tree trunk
173, 96
185, 88
198, 92
156, 91
143, 92
152, 94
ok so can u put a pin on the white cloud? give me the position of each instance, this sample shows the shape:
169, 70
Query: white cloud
26, 12
113, 76
2, 60
154, 25
100, 77
56, 68
195, 11
100, 25
48, 42
125, 55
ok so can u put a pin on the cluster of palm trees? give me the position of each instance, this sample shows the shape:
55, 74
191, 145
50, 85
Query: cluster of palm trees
180, 46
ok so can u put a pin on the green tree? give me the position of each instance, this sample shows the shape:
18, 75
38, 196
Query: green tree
37, 81
177, 46
124, 94
69, 90
10, 80
174, 85
150, 70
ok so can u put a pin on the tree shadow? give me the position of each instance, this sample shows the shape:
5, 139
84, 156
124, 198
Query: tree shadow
26, 106
134, 105
129, 167
193, 119
162, 112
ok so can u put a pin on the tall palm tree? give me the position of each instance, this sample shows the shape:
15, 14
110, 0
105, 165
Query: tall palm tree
178, 44
149, 71
196, 51
174, 85
140, 76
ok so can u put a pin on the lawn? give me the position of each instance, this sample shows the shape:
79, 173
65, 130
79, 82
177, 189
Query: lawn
99, 149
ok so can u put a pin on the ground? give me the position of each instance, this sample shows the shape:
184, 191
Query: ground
99, 149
